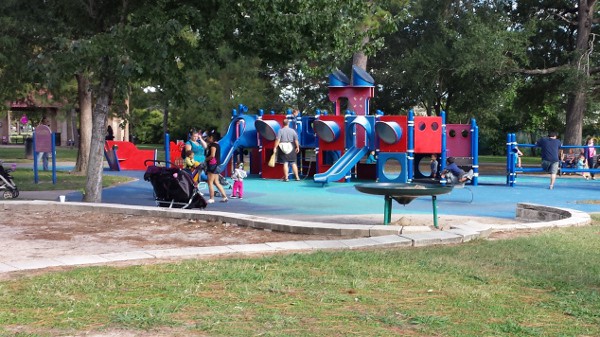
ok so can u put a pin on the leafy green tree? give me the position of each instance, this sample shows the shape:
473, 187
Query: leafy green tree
109, 44
562, 38
147, 125
449, 56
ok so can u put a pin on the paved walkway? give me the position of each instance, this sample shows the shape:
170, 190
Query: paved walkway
336, 208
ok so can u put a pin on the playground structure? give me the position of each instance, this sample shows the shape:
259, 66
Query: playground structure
511, 160
122, 155
332, 146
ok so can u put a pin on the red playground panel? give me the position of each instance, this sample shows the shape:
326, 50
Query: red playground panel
428, 134
175, 153
268, 172
402, 144
458, 140
128, 155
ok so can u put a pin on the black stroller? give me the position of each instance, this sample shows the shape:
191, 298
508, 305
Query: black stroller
173, 187
7, 184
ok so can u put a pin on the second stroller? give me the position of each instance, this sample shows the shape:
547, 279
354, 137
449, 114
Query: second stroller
7, 183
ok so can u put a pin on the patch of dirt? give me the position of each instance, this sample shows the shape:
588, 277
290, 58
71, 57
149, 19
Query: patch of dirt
48, 234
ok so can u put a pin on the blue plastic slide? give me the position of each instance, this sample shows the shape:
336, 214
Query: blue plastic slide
230, 142
343, 166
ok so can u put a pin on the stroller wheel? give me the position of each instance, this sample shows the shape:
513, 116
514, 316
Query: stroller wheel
15, 193
7, 195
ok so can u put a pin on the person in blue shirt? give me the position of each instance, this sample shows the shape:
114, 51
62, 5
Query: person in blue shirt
455, 174
371, 158
198, 146
550, 155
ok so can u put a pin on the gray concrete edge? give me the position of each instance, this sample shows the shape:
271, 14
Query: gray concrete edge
365, 236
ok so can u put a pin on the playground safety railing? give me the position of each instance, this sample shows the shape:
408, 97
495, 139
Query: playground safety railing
511, 161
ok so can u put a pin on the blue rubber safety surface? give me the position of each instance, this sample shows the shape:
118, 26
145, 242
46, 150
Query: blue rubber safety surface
491, 198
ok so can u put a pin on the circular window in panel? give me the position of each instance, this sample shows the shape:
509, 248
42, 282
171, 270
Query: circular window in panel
435, 126
422, 126
465, 133
424, 167
392, 168
452, 133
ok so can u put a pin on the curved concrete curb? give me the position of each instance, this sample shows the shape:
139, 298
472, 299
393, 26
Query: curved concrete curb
533, 217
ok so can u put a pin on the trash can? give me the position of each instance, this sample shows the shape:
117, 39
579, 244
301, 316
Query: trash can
57, 139
29, 148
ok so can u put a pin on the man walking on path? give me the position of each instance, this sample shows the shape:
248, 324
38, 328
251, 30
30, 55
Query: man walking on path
550, 155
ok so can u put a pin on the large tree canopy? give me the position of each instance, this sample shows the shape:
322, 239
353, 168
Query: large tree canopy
514, 65
112, 43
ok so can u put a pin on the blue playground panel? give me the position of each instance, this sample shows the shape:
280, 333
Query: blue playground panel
274, 198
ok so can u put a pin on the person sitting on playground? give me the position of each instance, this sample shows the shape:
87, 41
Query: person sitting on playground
190, 165
582, 165
518, 155
569, 160
454, 174
371, 158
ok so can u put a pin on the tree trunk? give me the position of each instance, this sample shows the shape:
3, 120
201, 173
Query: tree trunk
74, 129
577, 99
93, 186
575, 112
359, 58
85, 122
166, 117
71, 127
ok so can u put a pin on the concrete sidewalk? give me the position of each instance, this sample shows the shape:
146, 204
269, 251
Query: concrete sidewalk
366, 236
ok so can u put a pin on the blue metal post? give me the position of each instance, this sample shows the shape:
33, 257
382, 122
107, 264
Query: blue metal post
53, 159
475, 150
36, 178
167, 150
410, 151
510, 160
443, 155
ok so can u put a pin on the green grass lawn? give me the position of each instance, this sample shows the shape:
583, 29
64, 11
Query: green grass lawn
64, 180
546, 284
16, 154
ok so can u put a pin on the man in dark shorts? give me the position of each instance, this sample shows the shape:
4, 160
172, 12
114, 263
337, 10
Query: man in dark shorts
287, 148
550, 147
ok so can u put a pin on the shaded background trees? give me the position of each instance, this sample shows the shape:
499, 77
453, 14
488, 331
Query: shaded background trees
523, 65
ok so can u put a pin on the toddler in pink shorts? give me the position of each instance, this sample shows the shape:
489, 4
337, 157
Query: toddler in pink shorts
238, 176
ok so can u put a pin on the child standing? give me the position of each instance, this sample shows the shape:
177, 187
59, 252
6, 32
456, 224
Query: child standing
238, 176
581, 165
433, 166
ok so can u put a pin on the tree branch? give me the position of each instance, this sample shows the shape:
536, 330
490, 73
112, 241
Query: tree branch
539, 71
